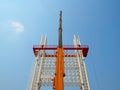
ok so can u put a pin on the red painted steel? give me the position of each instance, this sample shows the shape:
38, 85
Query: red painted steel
84, 48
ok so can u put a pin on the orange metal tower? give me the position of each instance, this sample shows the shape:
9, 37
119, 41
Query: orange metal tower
60, 68
58, 81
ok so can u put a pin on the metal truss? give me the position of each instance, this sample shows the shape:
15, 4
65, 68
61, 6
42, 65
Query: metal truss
75, 69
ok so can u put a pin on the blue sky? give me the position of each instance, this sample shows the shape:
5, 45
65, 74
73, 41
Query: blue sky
23, 22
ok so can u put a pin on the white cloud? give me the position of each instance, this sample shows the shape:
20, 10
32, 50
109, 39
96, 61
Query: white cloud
17, 26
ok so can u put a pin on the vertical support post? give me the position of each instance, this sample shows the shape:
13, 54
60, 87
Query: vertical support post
33, 82
79, 64
36, 79
58, 81
41, 63
84, 71
86, 77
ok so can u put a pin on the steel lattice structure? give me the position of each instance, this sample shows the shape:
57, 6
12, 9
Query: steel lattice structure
74, 65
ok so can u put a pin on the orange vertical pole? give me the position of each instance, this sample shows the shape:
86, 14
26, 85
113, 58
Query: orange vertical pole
58, 81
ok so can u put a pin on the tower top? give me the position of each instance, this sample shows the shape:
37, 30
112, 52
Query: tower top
60, 20
60, 31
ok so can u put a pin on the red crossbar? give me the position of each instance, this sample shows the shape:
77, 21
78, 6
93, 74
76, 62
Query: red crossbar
84, 48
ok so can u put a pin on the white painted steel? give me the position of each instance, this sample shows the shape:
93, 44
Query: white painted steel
78, 60
35, 82
86, 82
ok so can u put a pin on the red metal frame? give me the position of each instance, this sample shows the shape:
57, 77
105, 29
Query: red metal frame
84, 48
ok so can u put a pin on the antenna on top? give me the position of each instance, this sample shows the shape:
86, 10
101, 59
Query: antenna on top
60, 31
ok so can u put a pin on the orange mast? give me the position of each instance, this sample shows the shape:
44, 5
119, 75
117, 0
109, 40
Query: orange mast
58, 80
